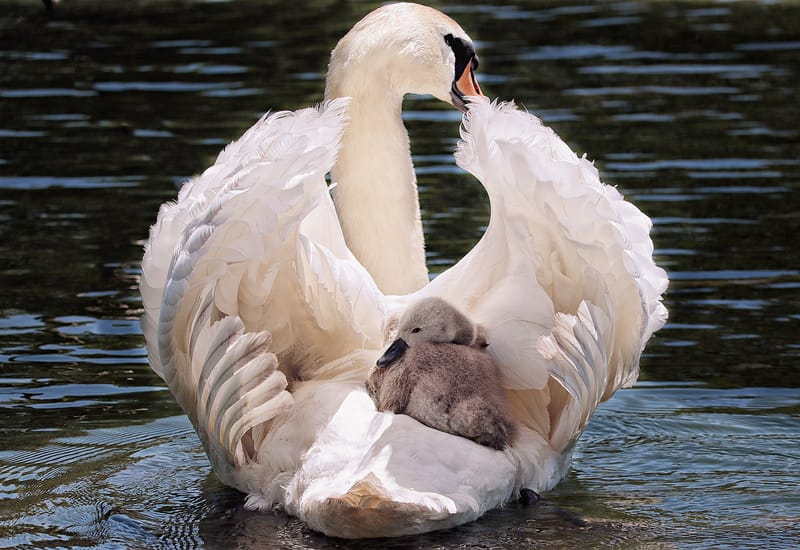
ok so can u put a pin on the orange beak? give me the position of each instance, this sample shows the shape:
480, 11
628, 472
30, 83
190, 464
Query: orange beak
465, 86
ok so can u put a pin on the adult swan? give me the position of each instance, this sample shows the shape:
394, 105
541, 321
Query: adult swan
266, 301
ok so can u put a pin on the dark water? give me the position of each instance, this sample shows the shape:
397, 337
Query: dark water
690, 108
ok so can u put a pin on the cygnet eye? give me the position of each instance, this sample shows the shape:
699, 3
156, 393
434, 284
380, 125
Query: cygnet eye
416, 330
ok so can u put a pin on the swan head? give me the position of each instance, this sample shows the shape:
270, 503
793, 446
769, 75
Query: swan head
405, 48
432, 320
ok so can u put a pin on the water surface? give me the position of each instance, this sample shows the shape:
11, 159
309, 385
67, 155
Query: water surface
689, 108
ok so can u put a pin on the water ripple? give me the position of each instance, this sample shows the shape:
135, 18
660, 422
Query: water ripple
732, 71
48, 182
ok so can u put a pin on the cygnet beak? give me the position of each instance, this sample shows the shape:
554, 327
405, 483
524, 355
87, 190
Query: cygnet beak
393, 353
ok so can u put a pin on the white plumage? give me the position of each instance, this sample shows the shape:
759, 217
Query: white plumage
264, 324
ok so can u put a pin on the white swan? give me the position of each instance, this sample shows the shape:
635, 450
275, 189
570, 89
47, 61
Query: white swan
264, 324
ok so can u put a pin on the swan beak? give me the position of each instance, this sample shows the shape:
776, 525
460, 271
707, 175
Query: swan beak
465, 86
395, 352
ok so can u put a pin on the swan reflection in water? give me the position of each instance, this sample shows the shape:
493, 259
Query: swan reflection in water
268, 297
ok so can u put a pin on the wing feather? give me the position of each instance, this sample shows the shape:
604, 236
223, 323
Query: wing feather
225, 313
577, 349
563, 278
593, 240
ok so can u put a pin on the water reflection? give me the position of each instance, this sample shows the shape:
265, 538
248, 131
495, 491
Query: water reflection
690, 108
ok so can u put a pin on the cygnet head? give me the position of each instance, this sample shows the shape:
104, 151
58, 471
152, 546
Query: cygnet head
432, 320
404, 48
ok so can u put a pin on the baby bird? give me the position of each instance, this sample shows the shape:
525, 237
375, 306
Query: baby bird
438, 372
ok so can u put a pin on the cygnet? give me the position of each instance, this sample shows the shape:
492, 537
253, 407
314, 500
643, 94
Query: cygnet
438, 372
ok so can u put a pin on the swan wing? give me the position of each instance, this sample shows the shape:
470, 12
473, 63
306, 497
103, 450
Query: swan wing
246, 272
563, 278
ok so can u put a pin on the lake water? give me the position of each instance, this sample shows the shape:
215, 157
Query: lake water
691, 109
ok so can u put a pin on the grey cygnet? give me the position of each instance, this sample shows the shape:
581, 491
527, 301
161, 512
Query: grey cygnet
438, 372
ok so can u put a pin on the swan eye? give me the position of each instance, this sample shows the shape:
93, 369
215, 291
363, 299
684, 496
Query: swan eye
416, 330
464, 52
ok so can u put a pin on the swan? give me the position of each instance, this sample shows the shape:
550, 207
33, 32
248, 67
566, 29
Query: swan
268, 296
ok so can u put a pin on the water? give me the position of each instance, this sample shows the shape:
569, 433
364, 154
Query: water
689, 108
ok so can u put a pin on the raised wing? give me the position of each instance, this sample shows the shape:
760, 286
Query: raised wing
247, 283
563, 278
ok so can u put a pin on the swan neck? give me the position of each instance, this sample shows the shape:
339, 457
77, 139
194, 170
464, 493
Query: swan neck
376, 195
